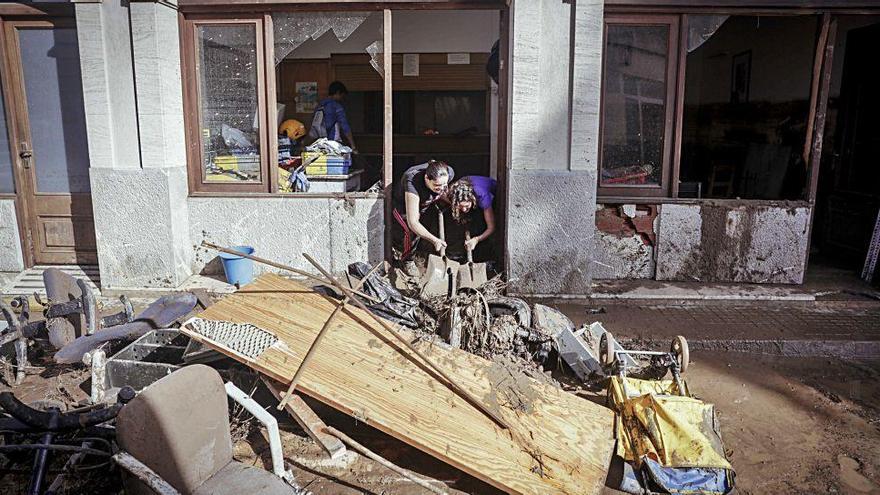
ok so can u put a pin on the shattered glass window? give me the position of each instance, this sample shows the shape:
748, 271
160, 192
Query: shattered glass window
634, 104
228, 101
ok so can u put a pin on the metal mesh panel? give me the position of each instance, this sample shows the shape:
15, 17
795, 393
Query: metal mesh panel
246, 339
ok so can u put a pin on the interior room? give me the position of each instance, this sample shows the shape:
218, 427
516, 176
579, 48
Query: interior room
442, 93
747, 97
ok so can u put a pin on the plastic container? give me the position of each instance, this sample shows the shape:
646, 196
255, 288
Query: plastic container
238, 269
326, 165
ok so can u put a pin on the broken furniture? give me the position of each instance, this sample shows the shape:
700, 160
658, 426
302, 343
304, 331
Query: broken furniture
179, 428
162, 313
72, 310
612, 357
556, 443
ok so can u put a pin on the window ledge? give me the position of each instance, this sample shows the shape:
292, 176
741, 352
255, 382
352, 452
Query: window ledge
703, 201
351, 195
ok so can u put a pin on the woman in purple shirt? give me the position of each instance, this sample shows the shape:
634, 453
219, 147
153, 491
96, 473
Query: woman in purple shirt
471, 193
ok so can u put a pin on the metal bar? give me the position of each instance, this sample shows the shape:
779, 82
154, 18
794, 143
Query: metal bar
271, 425
281, 266
319, 337
494, 416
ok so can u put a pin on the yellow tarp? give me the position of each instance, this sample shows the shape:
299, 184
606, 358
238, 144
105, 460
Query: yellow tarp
675, 430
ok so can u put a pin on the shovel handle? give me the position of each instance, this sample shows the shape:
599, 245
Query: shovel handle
470, 252
442, 232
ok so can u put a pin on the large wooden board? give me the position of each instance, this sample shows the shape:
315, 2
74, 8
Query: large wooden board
558, 443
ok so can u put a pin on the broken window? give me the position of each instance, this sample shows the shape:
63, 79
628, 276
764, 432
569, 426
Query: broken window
229, 102
637, 105
736, 89
249, 127
314, 50
746, 105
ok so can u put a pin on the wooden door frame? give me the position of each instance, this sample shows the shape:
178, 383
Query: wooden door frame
18, 123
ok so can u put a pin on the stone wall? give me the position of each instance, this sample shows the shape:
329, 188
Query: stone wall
335, 232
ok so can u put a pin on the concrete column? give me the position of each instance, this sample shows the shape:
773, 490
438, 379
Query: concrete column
131, 75
556, 76
11, 259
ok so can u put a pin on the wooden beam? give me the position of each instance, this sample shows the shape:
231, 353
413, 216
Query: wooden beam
388, 127
307, 420
818, 58
816, 138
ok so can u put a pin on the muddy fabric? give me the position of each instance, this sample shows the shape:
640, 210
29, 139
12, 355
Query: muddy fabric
392, 304
656, 423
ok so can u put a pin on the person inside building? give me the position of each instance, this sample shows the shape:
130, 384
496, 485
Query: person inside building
470, 196
420, 187
333, 118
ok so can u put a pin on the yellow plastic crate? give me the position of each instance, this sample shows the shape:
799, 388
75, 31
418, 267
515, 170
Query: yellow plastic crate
325, 165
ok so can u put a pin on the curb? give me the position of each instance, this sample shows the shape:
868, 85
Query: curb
843, 349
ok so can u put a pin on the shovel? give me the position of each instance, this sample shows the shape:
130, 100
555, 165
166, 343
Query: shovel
471, 275
440, 276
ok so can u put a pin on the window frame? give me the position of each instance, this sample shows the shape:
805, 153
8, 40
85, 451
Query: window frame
192, 115
671, 127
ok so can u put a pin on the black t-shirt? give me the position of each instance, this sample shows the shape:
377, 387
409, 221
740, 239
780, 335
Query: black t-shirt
413, 181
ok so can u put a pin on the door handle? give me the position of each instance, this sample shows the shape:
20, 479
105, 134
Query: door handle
25, 154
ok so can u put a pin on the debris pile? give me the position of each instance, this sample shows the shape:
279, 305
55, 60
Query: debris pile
463, 376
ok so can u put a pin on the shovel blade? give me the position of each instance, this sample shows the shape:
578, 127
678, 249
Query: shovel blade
439, 274
472, 275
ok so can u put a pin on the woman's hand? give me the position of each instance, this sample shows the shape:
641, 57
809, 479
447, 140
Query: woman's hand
471, 243
438, 244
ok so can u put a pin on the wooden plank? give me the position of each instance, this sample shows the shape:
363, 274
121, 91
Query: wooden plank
362, 372
308, 421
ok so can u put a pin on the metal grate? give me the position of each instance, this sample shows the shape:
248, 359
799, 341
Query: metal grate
246, 339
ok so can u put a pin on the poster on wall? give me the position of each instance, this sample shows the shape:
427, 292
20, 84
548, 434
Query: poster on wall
306, 96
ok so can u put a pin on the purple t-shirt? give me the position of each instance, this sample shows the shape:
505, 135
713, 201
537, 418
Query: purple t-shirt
484, 189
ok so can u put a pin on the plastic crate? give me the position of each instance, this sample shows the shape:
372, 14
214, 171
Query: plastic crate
325, 165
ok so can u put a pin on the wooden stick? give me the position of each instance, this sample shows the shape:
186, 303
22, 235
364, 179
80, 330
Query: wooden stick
308, 420
311, 351
354, 445
449, 381
283, 267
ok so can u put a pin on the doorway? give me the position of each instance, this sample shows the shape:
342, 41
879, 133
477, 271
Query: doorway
848, 196
43, 99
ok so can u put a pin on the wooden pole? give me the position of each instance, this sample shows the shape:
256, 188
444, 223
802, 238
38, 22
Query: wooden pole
449, 381
311, 351
283, 267
354, 445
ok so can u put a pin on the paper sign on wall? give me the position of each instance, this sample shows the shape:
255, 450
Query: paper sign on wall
411, 64
458, 58
306, 96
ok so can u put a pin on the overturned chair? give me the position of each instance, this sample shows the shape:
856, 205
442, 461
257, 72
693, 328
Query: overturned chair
175, 439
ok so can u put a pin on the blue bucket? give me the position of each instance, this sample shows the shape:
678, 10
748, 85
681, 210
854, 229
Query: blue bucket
239, 271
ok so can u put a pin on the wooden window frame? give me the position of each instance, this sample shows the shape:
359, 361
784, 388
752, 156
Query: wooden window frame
192, 115
663, 189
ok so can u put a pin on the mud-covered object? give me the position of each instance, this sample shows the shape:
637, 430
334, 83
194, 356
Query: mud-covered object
392, 304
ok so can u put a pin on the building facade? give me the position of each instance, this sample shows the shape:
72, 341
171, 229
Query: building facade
629, 140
